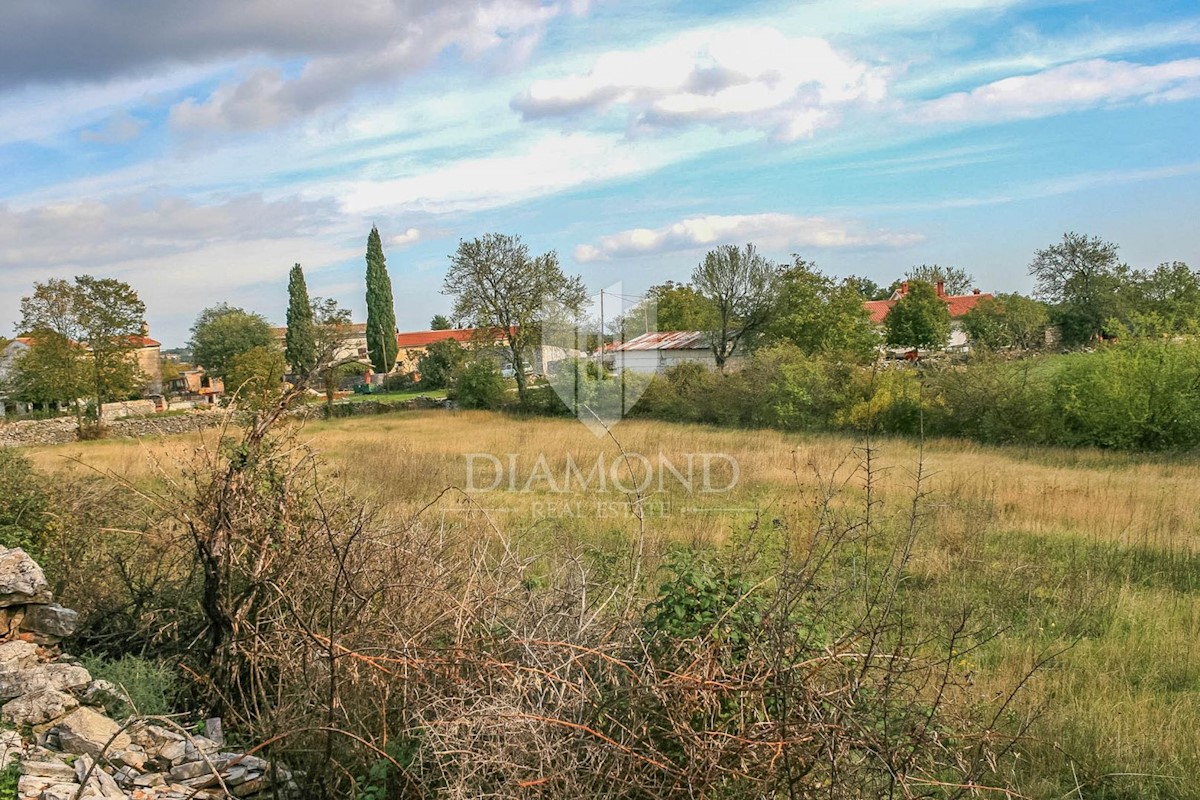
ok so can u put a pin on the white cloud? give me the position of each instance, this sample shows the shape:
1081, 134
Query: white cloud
742, 77
120, 127
772, 231
410, 236
1072, 87
550, 163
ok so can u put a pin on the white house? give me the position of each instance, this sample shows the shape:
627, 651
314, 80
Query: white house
659, 351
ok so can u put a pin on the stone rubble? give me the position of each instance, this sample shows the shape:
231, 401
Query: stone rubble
67, 748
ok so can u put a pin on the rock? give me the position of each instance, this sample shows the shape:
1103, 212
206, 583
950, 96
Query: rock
214, 730
10, 621
37, 707
51, 770
96, 781
60, 791
192, 769
19, 681
150, 779
173, 752
85, 731
18, 655
32, 785
21, 580
154, 737
51, 621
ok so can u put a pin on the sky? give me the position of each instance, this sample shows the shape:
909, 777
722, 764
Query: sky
196, 151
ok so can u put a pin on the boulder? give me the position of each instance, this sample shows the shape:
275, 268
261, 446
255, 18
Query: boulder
88, 732
18, 655
21, 580
50, 621
19, 681
38, 707
54, 770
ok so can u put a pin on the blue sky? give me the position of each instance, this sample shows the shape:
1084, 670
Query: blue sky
198, 152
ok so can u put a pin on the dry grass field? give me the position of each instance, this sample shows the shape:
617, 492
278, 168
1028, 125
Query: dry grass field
1093, 554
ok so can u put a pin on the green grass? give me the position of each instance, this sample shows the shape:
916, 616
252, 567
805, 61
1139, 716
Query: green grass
395, 397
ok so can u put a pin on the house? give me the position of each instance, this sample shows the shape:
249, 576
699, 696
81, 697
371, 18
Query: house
958, 304
412, 345
145, 351
353, 345
661, 350
193, 385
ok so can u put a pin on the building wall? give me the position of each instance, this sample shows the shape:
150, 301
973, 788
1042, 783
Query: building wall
650, 361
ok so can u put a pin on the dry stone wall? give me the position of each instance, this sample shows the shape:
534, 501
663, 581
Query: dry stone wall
24, 433
63, 741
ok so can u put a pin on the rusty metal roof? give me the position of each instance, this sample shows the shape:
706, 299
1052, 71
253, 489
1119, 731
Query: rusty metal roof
667, 340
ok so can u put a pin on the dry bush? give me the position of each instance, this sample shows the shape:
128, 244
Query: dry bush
415, 657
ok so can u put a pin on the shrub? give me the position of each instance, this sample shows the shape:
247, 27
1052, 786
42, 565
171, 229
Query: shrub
477, 384
994, 401
151, 686
399, 383
25, 503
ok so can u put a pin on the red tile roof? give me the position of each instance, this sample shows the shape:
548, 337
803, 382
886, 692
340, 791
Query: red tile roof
959, 305
425, 338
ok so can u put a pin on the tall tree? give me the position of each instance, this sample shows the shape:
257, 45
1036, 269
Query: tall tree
52, 370
1083, 276
381, 309
821, 316
496, 284
1007, 320
920, 319
440, 323
224, 331
740, 284
301, 344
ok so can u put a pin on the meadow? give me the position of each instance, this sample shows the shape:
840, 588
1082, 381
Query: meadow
1086, 560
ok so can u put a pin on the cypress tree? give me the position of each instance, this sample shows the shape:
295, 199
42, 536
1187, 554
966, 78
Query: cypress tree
381, 309
301, 341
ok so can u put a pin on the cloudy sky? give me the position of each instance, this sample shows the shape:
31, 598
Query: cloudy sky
197, 150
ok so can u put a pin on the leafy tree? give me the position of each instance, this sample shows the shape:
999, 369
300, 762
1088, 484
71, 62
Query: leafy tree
920, 319
668, 306
741, 285
440, 323
439, 362
256, 376
821, 316
52, 370
1164, 301
301, 343
1083, 277
222, 332
381, 308
954, 279
496, 284
868, 289
102, 314
331, 329
1007, 320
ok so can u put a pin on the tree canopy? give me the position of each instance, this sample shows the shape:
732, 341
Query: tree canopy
1007, 320
496, 284
821, 316
224, 331
920, 319
954, 279
740, 284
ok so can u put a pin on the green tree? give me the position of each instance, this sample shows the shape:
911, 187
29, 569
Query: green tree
440, 323
920, 319
496, 284
477, 384
954, 279
821, 316
51, 371
381, 308
222, 332
741, 286
868, 289
1164, 301
1007, 320
301, 343
439, 362
667, 306
105, 316
1083, 277
332, 328
255, 376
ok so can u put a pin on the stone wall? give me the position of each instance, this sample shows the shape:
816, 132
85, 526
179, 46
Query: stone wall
66, 745
62, 429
